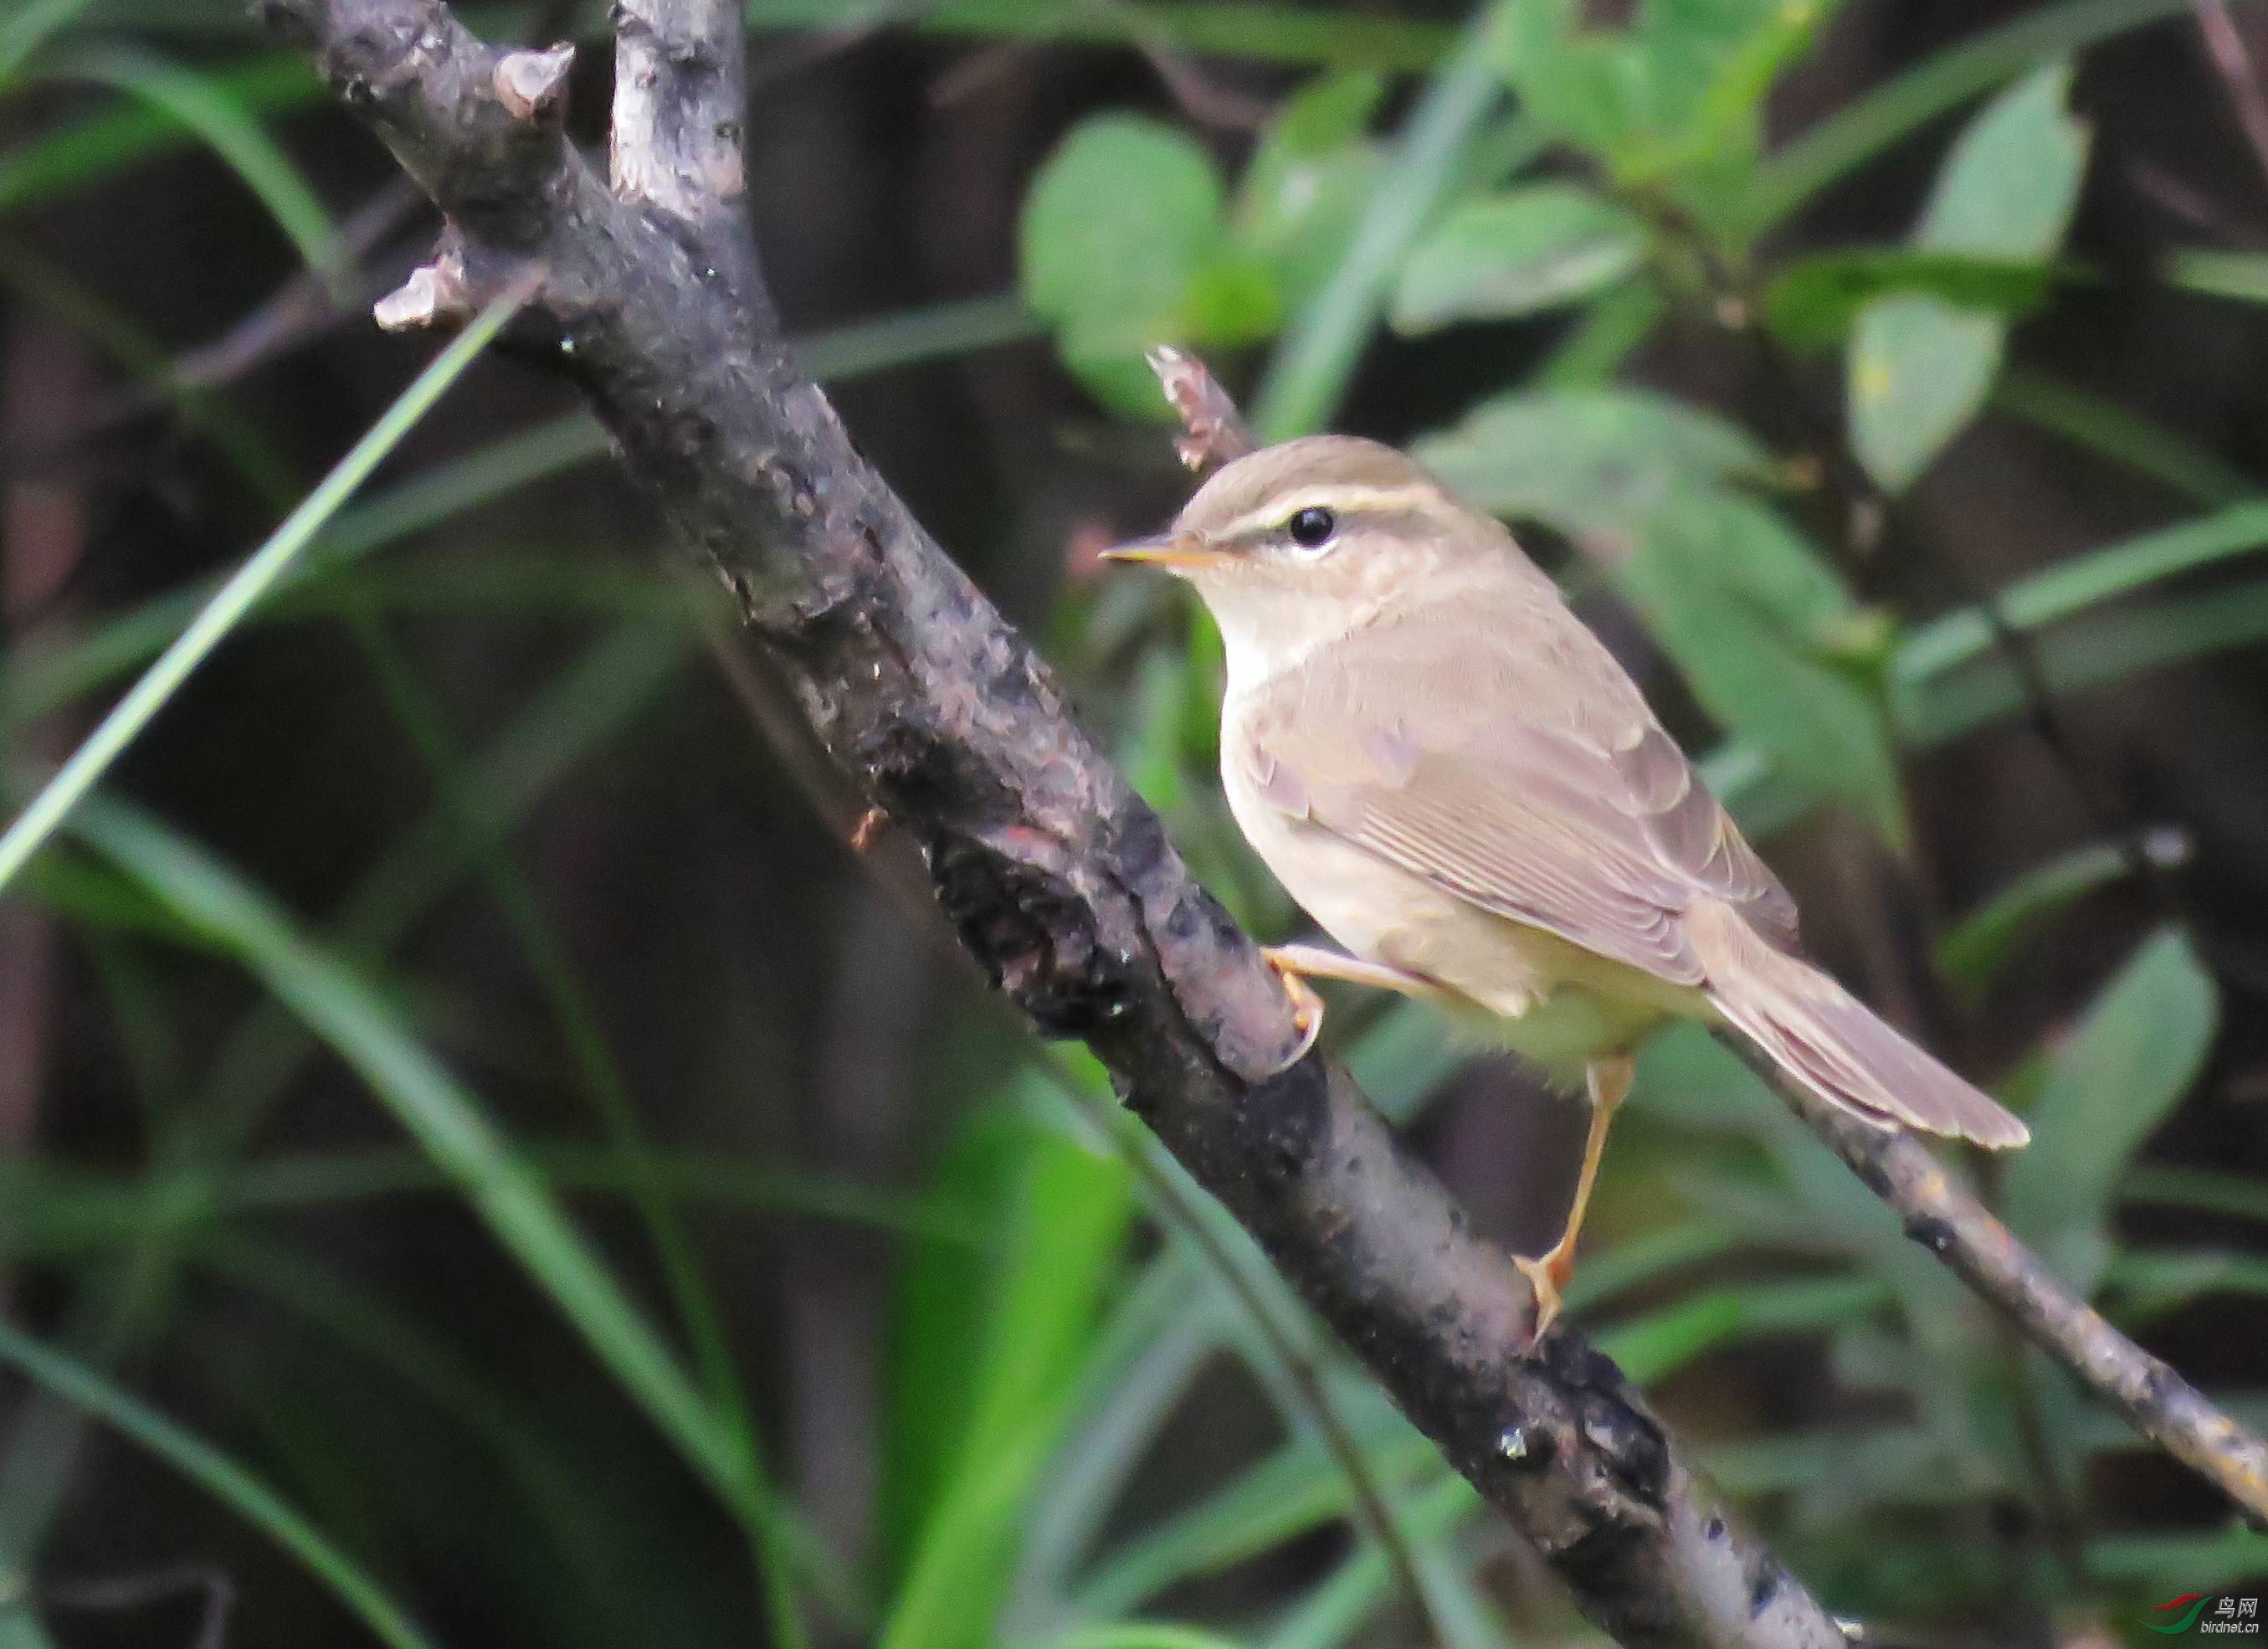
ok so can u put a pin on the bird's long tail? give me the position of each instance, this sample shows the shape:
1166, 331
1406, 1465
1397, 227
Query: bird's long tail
1831, 1042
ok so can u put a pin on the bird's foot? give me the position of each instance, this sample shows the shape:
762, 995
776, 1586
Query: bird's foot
1306, 1006
1549, 1275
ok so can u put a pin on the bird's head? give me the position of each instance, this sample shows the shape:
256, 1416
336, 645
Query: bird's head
1297, 544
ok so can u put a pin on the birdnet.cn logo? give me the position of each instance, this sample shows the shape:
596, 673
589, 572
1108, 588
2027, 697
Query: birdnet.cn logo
2201, 1612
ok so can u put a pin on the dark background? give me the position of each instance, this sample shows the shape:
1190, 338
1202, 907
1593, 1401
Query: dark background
778, 1010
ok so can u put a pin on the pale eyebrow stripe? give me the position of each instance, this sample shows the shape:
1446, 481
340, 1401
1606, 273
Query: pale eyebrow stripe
1343, 500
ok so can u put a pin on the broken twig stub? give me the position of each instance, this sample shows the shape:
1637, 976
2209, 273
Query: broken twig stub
1217, 431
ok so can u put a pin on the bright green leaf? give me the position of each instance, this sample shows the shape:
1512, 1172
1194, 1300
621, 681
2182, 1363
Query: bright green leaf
976, 1415
1120, 223
2119, 1075
1515, 254
1673, 100
1920, 368
1232, 299
1588, 460
2009, 186
1747, 611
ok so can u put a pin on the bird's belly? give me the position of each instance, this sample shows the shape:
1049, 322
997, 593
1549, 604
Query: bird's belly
1508, 983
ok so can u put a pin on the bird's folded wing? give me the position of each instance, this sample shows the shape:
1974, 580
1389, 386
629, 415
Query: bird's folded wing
1519, 770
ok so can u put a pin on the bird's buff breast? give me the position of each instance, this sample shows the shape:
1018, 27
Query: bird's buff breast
1509, 984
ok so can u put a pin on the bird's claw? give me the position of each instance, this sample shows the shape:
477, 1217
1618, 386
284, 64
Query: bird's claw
1548, 1275
1306, 1006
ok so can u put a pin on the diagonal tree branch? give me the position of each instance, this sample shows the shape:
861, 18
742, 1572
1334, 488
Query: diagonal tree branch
1057, 876
1956, 1227
1058, 880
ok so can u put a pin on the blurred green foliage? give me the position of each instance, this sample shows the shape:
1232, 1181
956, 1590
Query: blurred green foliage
1062, 1293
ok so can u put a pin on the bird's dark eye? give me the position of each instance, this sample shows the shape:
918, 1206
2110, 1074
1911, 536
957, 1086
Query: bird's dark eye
1311, 528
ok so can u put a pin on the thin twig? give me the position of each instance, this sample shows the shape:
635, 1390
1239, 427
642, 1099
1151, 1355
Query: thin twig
297, 313
1216, 432
1956, 1227
117, 1592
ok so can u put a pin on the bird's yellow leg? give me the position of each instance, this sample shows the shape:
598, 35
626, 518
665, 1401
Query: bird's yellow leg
1296, 964
1608, 1081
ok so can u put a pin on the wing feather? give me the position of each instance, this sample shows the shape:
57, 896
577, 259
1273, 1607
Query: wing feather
1510, 761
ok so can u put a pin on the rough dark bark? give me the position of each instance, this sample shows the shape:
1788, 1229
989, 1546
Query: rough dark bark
1958, 1229
1055, 876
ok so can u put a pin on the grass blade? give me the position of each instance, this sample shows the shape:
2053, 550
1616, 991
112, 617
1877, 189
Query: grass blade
219, 1476
204, 106
575, 1015
2111, 431
2065, 591
421, 502
22, 35
518, 1207
62, 162
243, 591
1316, 358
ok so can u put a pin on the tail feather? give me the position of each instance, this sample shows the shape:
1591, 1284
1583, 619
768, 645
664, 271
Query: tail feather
1830, 1041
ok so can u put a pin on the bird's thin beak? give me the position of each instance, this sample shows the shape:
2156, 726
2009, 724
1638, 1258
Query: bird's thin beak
1171, 550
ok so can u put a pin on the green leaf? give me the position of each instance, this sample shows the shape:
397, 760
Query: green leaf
2200, 1190
1288, 1494
1588, 460
79, 154
1939, 82
2010, 182
1332, 1612
1814, 302
1123, 242
2104, 428
1752, 615
1515, 254
1920, 368
2213, 1561
22, 34
1672, 100
1651, 1348
1138, 1634
2151, 1282
2070, 589
2107, 1088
